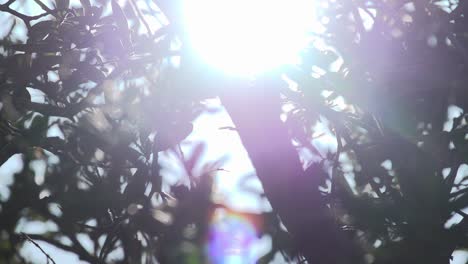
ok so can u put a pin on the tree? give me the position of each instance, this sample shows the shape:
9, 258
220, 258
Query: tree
379, 79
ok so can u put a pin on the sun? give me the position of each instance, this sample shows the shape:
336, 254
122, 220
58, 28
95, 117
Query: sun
247, 37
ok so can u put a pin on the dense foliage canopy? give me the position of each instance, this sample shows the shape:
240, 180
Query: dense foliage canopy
375, 110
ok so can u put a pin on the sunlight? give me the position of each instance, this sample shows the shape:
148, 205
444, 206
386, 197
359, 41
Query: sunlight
233, 237
245, 37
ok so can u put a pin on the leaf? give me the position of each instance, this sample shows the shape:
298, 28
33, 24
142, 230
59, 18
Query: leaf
90, 72
119, 16
136, 186
197, 153
38, 129
122, 24
172, 134
40, 30
47, 61
62, 4
155, 177
87, 6
37, 47
23, 62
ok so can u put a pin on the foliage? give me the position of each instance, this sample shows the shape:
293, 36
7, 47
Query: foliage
118, 98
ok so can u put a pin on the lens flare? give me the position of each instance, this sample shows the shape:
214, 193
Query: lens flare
245, 37
231, 237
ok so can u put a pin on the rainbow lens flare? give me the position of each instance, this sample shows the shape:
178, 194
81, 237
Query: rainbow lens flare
231, 237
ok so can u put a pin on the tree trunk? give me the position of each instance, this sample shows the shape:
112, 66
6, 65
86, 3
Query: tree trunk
255, 111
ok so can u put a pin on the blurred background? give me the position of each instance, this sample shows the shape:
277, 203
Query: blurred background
116, 148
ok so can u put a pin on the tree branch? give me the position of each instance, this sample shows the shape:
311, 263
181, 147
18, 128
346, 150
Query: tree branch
26, 19
27, 237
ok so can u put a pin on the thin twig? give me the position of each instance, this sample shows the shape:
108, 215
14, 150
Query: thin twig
26, 19
43, 6
9, 3
336, 161
39, 247
75, 248
141, 17
460, 212
182, 158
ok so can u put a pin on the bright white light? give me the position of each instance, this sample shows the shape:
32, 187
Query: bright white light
244, 37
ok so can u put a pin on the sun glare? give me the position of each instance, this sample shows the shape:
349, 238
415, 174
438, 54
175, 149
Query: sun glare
245, 37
